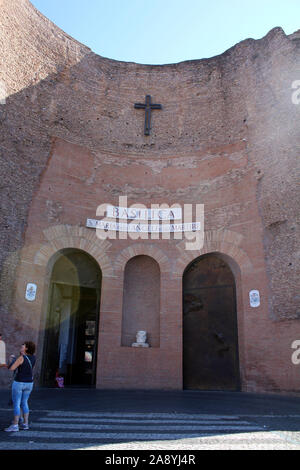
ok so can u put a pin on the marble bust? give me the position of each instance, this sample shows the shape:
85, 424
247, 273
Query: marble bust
141, 337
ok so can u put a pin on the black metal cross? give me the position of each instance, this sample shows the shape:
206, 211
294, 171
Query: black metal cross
147, 106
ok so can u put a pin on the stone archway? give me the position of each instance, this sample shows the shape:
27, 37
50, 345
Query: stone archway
210, 336
71, 333
42, 259
227, 244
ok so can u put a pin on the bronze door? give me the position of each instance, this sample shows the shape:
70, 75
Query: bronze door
210, 340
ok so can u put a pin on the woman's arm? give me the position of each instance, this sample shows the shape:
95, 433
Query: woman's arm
16, 364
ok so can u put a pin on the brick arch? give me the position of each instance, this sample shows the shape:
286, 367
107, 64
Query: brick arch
226, 244
60, 237
142, 249
221, 241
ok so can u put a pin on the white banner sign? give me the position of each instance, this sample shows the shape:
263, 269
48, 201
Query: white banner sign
137, 213
151, 228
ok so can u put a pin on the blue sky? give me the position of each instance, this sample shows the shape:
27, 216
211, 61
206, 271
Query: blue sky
168, 31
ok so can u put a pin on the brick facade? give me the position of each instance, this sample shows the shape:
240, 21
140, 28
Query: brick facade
227, 137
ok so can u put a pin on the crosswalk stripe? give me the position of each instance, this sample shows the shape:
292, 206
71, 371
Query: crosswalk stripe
139, 421
128, 424
121, 415
137, 427
79, 430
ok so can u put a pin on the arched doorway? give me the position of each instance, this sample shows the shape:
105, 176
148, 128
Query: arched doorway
71, 334
210, 336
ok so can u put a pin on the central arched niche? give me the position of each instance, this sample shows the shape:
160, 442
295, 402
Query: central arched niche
141, 300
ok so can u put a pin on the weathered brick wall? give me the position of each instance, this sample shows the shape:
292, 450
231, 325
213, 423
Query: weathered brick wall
33, 51
227, 136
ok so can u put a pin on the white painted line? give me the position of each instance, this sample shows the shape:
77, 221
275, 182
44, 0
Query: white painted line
138, 427
139, 421
140, 415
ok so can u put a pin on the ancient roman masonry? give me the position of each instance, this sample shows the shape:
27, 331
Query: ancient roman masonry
76, 133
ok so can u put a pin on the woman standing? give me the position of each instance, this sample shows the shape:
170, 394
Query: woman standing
22, 385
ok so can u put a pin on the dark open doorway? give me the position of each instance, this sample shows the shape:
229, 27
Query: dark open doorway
71, 335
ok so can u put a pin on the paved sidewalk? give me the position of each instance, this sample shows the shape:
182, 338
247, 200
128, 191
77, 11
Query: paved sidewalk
240, 403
